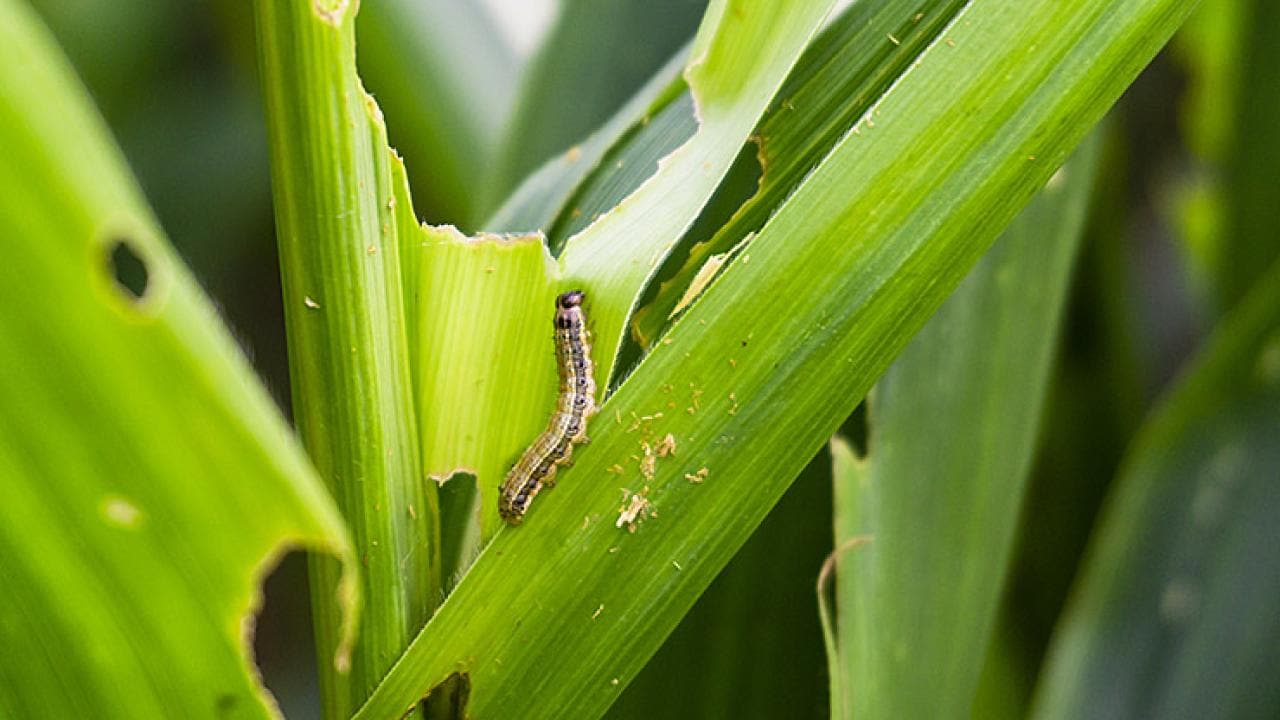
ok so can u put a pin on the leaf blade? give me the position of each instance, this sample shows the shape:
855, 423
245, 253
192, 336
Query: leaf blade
149, 479
410, 51
1172, 614
952, 428
339, 236
958, 175
588, 66
739, 58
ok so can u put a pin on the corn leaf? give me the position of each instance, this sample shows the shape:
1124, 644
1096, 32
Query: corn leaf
443, 71
149, 482
592, 61
1173, 615
758, 373
508, 324
340, 233
951, 431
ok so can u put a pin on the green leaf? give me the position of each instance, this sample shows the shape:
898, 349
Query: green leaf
502, 347
951, 430
340, 233
841, 74
1174, 612
441, 70
149, 482
1098, 394
626, 167
542, 199
488, 300
751, 646
810, 313
590, 64
739, 59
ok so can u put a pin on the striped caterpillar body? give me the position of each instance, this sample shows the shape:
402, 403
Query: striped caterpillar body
575, 404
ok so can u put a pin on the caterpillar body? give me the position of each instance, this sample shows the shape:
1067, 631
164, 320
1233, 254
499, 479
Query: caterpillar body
574, 406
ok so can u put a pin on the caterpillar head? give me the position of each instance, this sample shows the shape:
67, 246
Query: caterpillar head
571, 299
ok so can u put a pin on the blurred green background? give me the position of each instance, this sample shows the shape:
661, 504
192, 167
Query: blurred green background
1179, 229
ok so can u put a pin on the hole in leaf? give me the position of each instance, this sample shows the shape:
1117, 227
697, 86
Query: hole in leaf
449, 699
282, 643
128, 269
459, 536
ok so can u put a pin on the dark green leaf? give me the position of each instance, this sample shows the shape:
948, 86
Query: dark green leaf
952, 426
1174, 613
